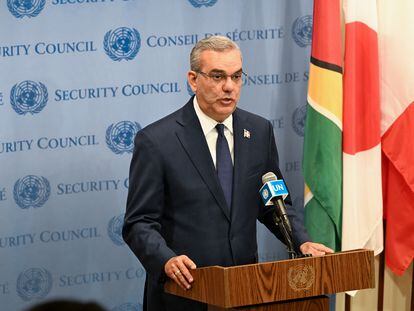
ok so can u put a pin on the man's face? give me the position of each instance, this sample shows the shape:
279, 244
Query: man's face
217, 97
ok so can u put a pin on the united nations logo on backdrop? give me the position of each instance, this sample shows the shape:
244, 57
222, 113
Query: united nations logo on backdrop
115, 229
298, 120
302, 30
29, 8
128, 307
34, 283
120, 136
28, 97
122, 43
200, 3
31, 191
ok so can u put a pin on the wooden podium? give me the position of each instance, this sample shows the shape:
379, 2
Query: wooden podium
296, 284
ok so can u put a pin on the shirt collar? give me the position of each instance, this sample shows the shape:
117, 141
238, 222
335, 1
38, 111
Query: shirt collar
207, 123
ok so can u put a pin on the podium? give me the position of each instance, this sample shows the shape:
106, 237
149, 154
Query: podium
296, 284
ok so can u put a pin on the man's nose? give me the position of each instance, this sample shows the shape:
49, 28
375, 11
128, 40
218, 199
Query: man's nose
228, 84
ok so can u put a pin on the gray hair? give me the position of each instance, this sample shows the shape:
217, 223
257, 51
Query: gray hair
213, 43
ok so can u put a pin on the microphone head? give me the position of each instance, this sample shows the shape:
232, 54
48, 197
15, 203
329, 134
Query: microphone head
269, 176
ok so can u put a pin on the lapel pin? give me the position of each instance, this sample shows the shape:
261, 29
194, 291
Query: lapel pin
246, 133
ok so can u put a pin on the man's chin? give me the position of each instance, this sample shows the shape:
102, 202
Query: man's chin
225, 113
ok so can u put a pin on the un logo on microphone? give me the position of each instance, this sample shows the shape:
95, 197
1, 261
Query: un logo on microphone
122, 43
120, 136
265, 194
34, 283
299, 120
200, 3
29, 8
31, 191
115, 229
28, 97
302, 30
128, 307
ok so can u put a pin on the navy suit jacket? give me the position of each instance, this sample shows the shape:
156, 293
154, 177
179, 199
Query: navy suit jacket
176, 206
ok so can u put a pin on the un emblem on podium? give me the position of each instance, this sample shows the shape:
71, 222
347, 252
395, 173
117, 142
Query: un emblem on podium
34, 283
302, 30
301, 277
31, 191
120, 136
200, 3
122, 43
29, 8
115, 230
28, 97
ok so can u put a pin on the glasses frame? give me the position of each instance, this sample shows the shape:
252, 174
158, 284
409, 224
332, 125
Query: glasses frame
223, 76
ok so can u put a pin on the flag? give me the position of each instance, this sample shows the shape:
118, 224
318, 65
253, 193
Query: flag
396, 50
374, 176
322, 162
362, 185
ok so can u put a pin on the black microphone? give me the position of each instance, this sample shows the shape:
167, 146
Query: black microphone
273, 192
277, 198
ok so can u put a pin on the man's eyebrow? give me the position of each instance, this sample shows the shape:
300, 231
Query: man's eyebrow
222, 71
217, 71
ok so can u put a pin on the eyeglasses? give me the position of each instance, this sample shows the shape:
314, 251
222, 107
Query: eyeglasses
220, 77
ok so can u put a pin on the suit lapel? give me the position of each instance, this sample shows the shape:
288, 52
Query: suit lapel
193, 141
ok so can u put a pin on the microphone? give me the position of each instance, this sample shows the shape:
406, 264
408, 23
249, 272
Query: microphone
273, 192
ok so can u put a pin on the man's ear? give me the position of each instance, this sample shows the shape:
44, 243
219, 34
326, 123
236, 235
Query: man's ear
192, 80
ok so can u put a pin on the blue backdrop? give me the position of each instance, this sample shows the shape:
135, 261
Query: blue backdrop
78, 79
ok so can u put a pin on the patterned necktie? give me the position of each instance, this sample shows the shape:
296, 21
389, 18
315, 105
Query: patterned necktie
224, 165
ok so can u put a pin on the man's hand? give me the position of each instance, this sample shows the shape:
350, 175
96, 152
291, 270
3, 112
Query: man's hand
315, 249
177, 267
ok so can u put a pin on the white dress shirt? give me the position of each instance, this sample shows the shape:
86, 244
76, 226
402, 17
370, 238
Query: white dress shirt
208, 126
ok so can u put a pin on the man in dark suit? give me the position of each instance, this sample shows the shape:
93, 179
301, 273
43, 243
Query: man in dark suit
193, 194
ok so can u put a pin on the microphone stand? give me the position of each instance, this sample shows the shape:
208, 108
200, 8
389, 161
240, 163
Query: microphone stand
287, 235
